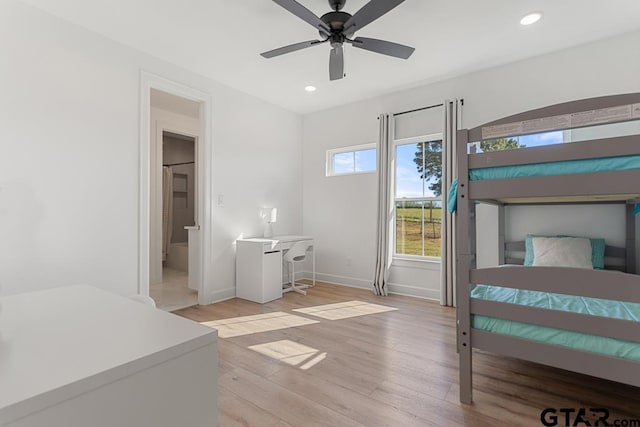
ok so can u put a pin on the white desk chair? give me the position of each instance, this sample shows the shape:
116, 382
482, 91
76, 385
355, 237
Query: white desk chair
297, 253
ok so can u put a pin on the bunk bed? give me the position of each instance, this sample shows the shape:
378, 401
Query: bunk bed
585, 320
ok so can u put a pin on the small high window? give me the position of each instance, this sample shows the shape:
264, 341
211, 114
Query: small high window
351, 160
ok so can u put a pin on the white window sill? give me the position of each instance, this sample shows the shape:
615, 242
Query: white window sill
420, 263
351, 173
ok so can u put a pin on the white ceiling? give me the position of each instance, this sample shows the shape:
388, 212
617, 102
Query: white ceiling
222, 39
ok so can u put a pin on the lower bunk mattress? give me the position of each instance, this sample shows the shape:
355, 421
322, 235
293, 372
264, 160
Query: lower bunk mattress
576, 304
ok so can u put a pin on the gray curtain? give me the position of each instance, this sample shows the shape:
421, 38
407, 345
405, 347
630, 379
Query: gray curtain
452, 113
383, 252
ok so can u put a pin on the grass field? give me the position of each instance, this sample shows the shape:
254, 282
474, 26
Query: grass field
409, 231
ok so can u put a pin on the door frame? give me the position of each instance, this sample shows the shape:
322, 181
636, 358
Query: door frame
204, 168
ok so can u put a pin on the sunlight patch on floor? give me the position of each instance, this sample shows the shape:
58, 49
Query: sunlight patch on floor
344, 310
245, 325
319, 358
290, 352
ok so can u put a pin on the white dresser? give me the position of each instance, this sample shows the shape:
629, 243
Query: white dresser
79, 356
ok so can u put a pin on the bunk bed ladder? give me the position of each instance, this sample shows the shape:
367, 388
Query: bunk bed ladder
464, 259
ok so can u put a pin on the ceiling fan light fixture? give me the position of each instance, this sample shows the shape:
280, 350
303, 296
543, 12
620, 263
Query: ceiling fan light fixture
337, 27
310, 88
531, 18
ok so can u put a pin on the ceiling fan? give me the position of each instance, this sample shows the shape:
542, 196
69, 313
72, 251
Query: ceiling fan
337, 28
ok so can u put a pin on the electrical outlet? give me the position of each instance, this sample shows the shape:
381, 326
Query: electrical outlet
348, 262
220, 199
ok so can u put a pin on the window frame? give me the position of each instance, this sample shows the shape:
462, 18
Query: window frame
439, 136
353, 148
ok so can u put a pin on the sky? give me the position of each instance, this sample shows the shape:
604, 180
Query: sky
547, 138
358, 161
408, 181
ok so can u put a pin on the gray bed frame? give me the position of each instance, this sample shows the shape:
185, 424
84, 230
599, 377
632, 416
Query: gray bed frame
590, 188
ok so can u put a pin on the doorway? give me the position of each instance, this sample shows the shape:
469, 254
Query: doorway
173, 289
175, 167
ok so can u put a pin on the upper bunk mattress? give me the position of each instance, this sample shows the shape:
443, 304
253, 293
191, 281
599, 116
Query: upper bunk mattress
569, 167
575, 340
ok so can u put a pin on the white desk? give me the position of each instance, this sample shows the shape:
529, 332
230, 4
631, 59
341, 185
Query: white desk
259, 266
79, 356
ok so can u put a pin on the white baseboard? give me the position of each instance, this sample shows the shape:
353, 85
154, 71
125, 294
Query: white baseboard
221, 295
394, 288
414, 291
352, 282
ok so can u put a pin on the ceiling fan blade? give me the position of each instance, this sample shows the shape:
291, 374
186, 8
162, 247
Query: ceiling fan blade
382, 46
291, 48
336, 63
305, 14
369, 13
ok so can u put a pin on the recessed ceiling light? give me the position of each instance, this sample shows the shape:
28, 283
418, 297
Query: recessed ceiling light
531, 18
310, 88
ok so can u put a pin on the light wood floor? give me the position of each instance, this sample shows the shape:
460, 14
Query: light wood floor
393, 368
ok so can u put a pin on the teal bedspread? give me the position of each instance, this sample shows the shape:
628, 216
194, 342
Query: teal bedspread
576, 340
569, 167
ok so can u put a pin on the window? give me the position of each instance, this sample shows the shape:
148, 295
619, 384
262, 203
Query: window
417, 195
351, 160
523, 141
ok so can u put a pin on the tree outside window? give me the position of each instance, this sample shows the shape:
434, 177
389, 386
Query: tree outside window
418, 194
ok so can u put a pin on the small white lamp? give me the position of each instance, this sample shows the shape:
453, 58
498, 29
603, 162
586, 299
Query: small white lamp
269, 215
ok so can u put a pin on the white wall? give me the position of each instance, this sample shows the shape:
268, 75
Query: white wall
69, 173
340, 211
596, 221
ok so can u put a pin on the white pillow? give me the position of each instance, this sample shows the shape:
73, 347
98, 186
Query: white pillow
562, 252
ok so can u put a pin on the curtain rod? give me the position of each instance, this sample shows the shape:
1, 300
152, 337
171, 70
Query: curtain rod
422, 108
417, 109
178, 164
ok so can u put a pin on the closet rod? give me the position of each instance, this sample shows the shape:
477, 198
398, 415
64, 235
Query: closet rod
177, 164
